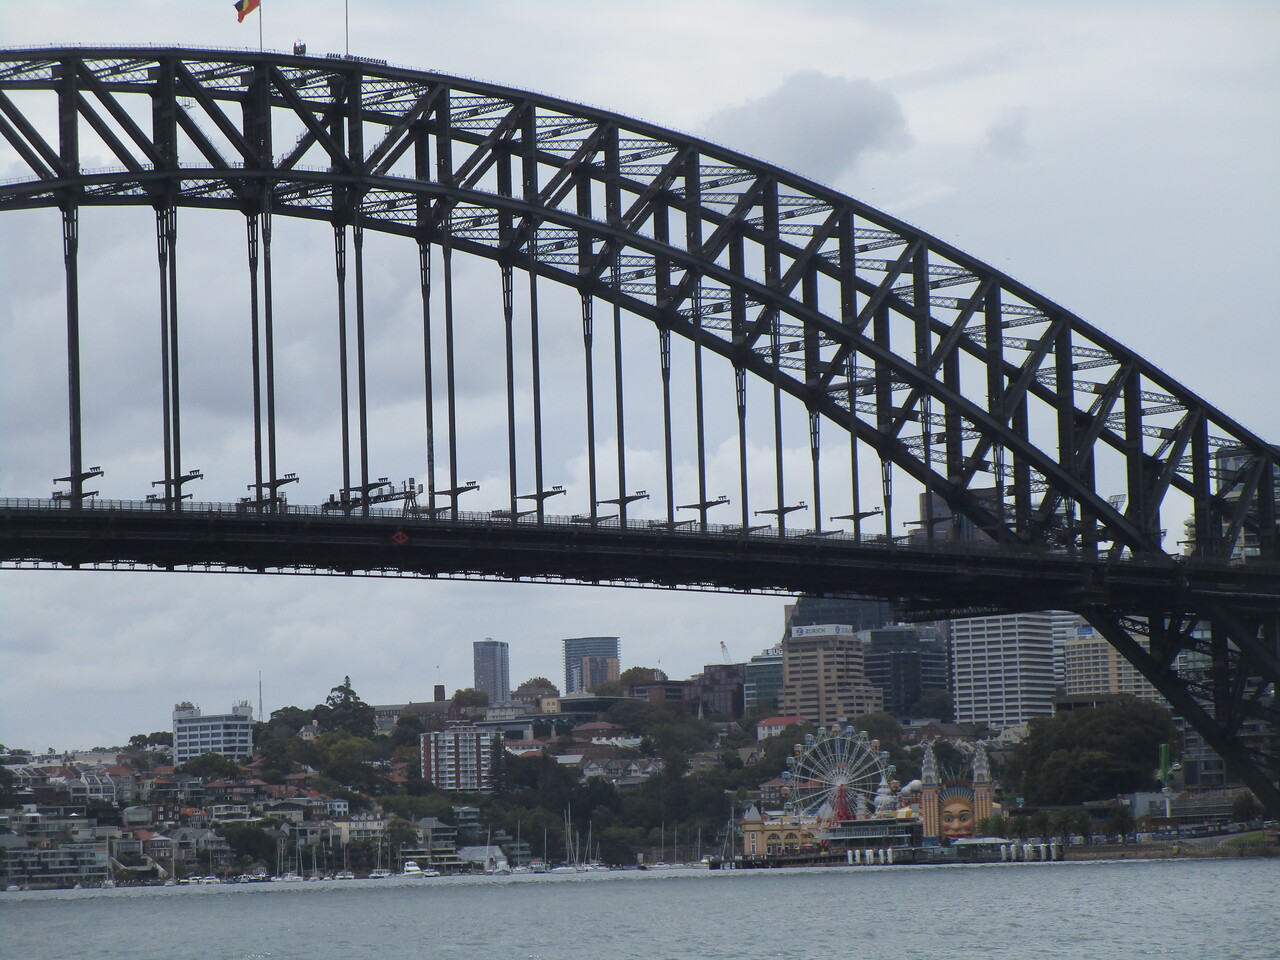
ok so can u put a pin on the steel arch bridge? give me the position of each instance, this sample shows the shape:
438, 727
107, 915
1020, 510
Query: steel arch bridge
1048, 460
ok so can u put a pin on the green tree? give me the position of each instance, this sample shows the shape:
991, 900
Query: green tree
276, 755
348, 760
498, 766
8, 788
635, 715
287, 721
1063, 822
470, 697
344, 710
408, 731
211, 766
143, 762
641, 675
1245, 807
537, 687
934, 703
1090, 754
755, 713
158, 738
400, 833
1119, 821
880, 726
248, 841
435, 804
358, 802
992, 826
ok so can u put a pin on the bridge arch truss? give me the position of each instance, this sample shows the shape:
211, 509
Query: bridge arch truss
1014, 421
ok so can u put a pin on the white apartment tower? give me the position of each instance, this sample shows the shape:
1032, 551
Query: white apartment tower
228, 734
1002, 668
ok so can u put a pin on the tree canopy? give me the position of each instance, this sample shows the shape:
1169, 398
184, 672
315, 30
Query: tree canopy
1090, 754
539, 685
936, 704
470, 697
211, 766
160, 738
344, 710
642, 675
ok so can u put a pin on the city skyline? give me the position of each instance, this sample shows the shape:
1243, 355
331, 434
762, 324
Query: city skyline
1086, 150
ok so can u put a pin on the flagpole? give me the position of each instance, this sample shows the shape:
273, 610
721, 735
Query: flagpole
346, 23
259, 28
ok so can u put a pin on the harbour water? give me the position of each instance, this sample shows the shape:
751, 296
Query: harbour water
1188, 909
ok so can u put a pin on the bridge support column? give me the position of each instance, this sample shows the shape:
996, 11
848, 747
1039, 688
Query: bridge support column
424, 280
340, 274
664, 357
71, 270
362, 398
166, 251
269, 346
508, 311
589, 383
535, 365
255, 353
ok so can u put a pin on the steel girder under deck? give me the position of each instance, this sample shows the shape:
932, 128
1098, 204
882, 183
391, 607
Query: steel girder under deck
1005, 407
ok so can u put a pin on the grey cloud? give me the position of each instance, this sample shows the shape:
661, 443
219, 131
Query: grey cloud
814, 123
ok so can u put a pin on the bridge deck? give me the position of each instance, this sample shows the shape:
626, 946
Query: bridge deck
935, 575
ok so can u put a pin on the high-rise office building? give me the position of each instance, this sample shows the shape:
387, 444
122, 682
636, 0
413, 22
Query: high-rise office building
1094, 666
860, 613
1002, 668
823, 676
763, 678
492, 669
717, 690
589, 661
227, 734
904, 662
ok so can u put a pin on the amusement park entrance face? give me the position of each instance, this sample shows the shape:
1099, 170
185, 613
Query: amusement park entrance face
955, 813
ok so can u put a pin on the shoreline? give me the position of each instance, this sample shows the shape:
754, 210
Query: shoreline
1171, 850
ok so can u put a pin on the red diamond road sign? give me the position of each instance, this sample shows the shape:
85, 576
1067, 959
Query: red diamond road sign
400, 537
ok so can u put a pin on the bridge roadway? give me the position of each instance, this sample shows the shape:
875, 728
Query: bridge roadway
938, 577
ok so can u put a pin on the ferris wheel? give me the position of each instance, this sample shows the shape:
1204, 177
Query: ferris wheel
841, 770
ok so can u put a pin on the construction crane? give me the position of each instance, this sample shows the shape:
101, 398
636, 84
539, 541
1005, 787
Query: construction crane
724, 652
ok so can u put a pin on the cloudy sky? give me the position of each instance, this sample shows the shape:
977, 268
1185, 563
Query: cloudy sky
1119, 157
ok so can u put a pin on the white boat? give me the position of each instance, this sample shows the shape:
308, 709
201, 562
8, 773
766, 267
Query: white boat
380, 873
411, 869
289, 877
344, 875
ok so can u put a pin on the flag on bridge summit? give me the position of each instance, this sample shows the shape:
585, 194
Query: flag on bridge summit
244, 8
